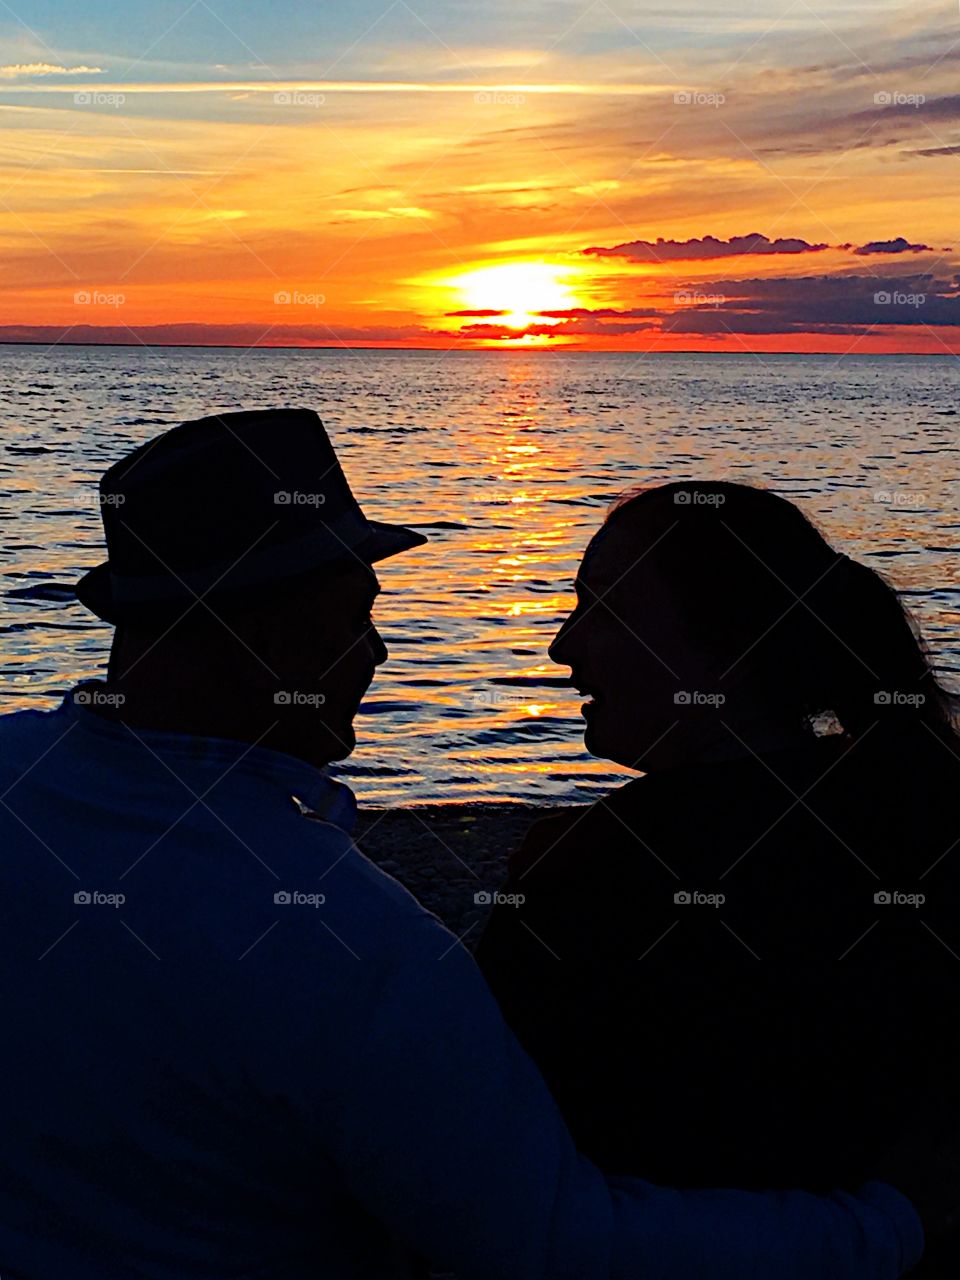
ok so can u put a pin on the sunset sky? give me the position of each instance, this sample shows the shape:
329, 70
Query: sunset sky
774, 175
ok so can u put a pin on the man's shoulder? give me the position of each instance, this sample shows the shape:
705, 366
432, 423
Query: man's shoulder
344, 918
356, 892
316, 833
30, 729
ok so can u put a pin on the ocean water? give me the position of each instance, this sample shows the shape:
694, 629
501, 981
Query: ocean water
512, 458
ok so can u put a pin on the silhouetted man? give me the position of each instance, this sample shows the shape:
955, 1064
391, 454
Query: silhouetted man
233, 1046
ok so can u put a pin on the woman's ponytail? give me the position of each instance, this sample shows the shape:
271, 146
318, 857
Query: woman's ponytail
867, 663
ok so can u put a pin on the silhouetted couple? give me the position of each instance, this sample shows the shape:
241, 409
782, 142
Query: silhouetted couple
235, 1048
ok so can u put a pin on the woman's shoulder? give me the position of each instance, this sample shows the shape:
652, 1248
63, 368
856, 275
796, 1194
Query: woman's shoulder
547, 836
655, 818
560, 843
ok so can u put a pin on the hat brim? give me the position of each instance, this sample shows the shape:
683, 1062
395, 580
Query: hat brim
95, 591
387, 540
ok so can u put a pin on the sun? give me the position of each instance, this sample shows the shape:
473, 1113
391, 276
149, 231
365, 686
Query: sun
520, 290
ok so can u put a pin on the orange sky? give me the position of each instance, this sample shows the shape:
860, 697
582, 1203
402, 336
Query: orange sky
357, 189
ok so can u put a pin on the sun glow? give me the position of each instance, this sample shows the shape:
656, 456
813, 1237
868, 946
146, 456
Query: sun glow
518, 290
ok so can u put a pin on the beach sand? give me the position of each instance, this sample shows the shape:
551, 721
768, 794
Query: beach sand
445, 854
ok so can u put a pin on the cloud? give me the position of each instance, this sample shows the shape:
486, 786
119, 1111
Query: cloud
379, 215
521, 93
219, 335
577, 327
907, 106
14, 70
710, 247
892, 246
573, 313
838, 303
704, 248
834, 304
717, 324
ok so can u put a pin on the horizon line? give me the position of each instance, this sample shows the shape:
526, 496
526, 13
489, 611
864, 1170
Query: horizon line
583, 351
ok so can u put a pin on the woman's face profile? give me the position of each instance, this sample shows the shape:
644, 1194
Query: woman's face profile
648, 676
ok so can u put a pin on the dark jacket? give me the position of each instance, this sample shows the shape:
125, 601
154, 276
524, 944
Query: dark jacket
788, 1034
233, 1047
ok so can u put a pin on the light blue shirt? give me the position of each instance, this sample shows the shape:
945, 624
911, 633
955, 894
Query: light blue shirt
233, 1047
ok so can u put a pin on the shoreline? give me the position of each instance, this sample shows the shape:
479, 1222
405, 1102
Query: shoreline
446, 853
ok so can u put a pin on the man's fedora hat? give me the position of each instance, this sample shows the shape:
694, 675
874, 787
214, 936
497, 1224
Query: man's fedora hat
234, 505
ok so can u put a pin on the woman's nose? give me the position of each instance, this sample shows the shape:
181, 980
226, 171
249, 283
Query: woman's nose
559, 650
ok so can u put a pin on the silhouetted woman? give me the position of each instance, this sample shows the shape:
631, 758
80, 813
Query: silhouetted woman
742, 968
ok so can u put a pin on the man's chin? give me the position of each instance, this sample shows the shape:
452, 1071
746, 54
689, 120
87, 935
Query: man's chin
319, 744
342, 743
